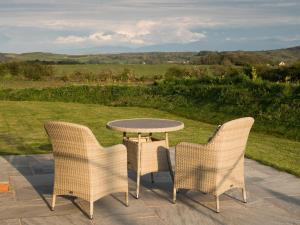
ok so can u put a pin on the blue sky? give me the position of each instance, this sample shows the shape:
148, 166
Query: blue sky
101, 26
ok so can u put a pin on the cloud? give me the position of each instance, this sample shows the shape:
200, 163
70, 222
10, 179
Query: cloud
290, 38
277, 38
70, 39
143, 32
35, 25
100, 37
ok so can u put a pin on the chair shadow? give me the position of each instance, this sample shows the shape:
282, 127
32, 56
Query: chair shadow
42, 190
286, 198
167, 189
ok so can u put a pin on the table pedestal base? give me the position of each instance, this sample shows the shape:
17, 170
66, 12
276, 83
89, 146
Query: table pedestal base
147, 155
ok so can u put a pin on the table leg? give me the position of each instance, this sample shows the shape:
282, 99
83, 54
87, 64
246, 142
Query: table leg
152, 175
167, 139
124, 139
138, 174
169, 157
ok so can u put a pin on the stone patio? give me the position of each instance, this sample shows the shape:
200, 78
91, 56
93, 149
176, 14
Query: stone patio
273, 198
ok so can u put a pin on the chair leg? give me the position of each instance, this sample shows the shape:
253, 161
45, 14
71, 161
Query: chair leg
53, 202
91, 210
174, 194
244, 195
152, 178
138, 185
126, 199
217, 204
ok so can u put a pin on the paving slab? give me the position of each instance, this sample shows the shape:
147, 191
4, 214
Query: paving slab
260, 213
129, 220
181, 214
114, 205
7, 197
33, 209
273, 198
11, 222
77, 219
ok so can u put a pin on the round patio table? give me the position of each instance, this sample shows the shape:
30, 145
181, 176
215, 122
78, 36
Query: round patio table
146, 125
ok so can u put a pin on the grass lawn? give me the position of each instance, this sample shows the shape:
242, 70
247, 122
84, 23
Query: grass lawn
21, 130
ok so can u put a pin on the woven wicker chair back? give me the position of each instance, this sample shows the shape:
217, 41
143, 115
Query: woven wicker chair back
71, 139
230, 142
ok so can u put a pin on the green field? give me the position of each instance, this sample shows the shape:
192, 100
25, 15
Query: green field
21, 130
83, 70
23, 84
122, 58
138, 69
20, 84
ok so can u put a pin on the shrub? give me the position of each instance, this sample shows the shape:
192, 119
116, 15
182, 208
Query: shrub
279, 73
107, 75
3, 70
127, 75
28, 70
34, 71
14, 68
174, 73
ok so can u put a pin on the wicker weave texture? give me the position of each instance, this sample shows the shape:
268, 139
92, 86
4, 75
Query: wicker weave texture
218, 165
152, 156
83, 167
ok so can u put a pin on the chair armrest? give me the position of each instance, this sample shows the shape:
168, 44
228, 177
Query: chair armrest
99, 153
195, 167
108, 160
197, 156
115, 148
186, 145
108, 170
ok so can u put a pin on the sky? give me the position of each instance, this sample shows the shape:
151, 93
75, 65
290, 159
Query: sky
112, 26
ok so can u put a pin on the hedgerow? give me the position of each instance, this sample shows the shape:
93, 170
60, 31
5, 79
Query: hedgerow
276, 107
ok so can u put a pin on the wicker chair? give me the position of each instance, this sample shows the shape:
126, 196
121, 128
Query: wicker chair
82, 167
216, 166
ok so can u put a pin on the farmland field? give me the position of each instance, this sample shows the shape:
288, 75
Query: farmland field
138, 69
75, 71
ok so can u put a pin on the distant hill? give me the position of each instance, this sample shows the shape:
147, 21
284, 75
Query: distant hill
204, 57
3, 57
121, 58
248, 57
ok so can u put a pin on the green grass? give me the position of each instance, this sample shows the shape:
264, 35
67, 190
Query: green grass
138, 69
37, 85
122, 58
21, 130
20, 84
23, 84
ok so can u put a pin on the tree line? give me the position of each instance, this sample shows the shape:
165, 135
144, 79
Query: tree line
35, 70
